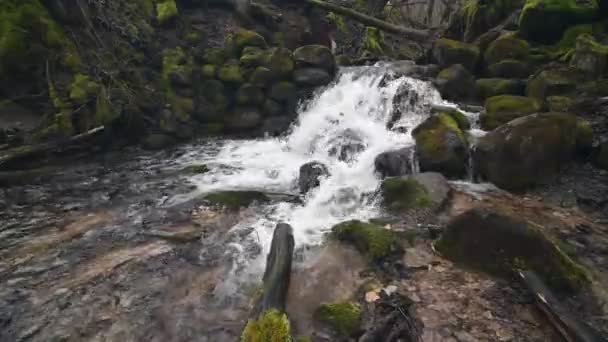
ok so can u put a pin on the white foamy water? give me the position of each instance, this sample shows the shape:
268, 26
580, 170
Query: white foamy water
359, 104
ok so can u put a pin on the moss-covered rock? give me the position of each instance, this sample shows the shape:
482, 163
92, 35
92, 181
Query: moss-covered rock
166, 10
281, 63
208, 71
527, 150
404, 193
253, 56
554, 80
283, 91
502, 109
590, 56
83, 89
177, 62
214, 56
315, 56
271, 326
372, 240
272, 108
344, 318
510, 68
507, 47
560, 104
157, 141
441, 146
602, 156
249, 94
489, 87
546, 20
455, 83
498, 243
244, 38
261, 77
448, 52
231, 72
235, 199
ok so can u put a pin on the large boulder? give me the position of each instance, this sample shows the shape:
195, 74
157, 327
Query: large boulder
554, 80
502, 109
510, 68
441, 146
507, 47
488, 87
310, 176
527, 150
248, 94
448, 52
499, 243
372, 240
428, 190
317, 56
394, 163
455, 83
311, 77
545, 20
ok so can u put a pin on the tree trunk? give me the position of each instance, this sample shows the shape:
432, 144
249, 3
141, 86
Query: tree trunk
410, 33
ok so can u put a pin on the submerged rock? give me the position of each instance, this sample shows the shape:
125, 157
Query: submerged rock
422, 190
510, 68
372, 240
441, 146
394, 163
310, 176
507, 47
235, 199
502, 109
344, 318
499, 244
528, 150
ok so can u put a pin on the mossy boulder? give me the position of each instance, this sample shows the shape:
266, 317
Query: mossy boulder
311, 77
499, 243
562, 104
447, 52
554, 80
244, 38
231, 72
372, 240
176, 62
507, 47
317, 56
502, 109
424, 190
283, 91
253, 56
235, 199
249, 94
489, 87
281, 63
166, 11
590, 56
510, 68
208, 71
261, 77
526, 151
602, 156
271, 326
214, 56
455, 83
461, 120
344, 318
441, 146
545, 20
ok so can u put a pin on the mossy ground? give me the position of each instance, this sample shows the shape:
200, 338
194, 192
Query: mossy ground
372, 240
344, 318
272, 326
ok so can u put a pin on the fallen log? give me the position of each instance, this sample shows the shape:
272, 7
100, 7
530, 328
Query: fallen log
569, 327
34, 151
410, 33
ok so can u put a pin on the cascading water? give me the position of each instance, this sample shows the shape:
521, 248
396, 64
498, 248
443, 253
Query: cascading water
350, 116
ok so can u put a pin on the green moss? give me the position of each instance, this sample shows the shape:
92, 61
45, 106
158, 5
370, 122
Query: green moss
400, 194
231, 72
243, 38
214, 56
489, 87
253, 56
554, 80
461, 119
166, 11
430, 135
507, 47
281, 63
372, 240
235, 199
504, 108
250, 94
344, 318
559, 103
338, 21
208, 71
83, 89
104, 114
261, 77
194, 37
373, 41
272, 326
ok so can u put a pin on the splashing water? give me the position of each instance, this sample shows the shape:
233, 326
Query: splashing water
360, 104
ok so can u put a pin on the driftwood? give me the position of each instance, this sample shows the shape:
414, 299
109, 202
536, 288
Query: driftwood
410, 33
278, 270
570, 328
30, 152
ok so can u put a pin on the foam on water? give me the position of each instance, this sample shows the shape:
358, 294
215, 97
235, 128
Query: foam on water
359, 102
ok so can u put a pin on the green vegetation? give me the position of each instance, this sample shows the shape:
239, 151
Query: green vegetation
166, 11
372, 240
374, 41
272, 326
504, 108
344, 318
82, 89
400, 194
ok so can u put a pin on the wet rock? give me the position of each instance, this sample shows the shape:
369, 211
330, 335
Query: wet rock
157, 141
394, 163
231, 72
488, 87
499, 243
244, 38
253, 57
214, 56
243, 119
374, 241
449, 52
455, 83
546, 21
441, 146
502, 109
281, 63
344, 318
510, 68
272, 325
235, 199
311, 77
527, 150
422, 190
563, 104
275, 126
589, 56
507, 47
283, 91
554, 80
318, 56
346, 145
310, 176
261, 77
248, 94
